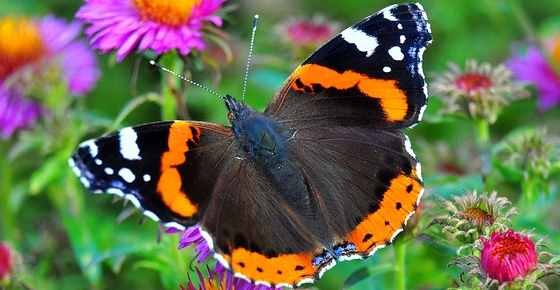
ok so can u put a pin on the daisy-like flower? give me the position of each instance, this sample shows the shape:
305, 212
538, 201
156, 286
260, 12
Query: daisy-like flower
472, 215
480, 91
6, 261
126, 26
534, 67
219, 278
36, 52
16, 112
508, 255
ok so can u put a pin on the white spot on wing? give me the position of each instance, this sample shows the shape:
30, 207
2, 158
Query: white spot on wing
93, 149
419, 170
396, 53
327, 267
221, 260
128, 147
362, 40
98, 161
399, 26
264, 283
208, 238
85, 182
147, 177
151, 215
421, 114
127, 175
174, 225
241, 276
109, 170
408, 146
386, 69
305, 281
115, 191
133, 200
387, 14
403, 38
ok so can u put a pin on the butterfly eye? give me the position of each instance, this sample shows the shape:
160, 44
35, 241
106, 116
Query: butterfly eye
230, 116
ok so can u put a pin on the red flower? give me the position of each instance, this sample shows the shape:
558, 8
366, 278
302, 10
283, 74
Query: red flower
507, 256
5, 261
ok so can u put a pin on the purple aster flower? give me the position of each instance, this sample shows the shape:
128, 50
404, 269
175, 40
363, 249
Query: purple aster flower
219, 278
138, 25
16, 112
534, 67
43, 45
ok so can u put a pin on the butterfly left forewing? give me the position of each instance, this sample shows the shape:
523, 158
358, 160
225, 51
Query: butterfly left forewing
166, 169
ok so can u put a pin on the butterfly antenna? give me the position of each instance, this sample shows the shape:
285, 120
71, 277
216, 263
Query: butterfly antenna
250, 56
154, 63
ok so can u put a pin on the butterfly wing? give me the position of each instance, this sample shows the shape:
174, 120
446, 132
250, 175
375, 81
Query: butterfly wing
368, 75
255, 233
369, 180
167, 169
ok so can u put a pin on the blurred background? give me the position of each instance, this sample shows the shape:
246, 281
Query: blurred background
61, 237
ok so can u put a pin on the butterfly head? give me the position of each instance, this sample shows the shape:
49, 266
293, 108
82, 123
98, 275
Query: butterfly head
237, 111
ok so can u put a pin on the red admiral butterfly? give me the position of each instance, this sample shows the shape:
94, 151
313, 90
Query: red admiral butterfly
325, 174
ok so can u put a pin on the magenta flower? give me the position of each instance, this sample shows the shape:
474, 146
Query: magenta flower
138, 25
44, 45
6, 262
535, 68
507, 256
16, 112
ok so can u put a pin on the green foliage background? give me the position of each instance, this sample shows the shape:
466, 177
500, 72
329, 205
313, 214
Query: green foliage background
68, 239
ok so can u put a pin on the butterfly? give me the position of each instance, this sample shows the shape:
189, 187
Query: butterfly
324, 174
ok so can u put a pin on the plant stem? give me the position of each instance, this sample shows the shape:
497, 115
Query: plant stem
483, 132
400, 266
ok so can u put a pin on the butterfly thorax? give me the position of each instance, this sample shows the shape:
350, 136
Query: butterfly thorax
265, 142
261, 138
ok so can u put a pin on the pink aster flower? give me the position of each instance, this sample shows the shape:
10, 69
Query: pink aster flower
16, 112
6, 262
535, 68
507, 256
307, 32
32, 50
138, 25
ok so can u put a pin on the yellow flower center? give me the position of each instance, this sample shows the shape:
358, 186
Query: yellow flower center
169, 12
20, 44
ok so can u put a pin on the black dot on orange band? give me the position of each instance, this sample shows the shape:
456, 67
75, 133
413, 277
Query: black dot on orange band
367, 237
387, 223
299, 268
279, 272
399, 205
409, 188
259, 269
241, 264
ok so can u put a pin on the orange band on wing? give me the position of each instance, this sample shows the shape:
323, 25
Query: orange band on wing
282, 269
393, 100
379, 227
169, 184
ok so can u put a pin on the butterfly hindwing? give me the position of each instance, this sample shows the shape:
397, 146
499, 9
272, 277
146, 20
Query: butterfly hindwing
167, 169
368, 75
369, 182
